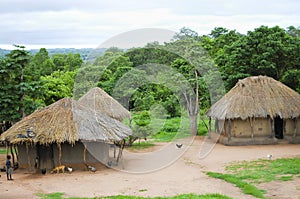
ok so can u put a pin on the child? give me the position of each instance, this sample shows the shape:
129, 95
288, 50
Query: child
9, 168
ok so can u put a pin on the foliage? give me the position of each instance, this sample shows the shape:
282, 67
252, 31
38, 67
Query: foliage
16, 89
264, 51
41, 64
57, 86
140, 127
292, 78
179, 76
67, 62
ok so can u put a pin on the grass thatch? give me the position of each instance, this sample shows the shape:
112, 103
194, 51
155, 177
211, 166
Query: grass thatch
67, 121
257, 97
97, 99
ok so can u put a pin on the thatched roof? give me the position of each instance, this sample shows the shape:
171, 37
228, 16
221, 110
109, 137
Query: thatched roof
98, 100
257, 97
67, 121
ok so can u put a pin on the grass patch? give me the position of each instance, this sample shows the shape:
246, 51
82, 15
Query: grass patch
168, 136
286, 178
244, 186
143, 190
243, 173
182, 196
141, 145
266, 170
2, 151
57, 195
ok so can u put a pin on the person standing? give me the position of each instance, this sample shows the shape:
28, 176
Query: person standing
9, 168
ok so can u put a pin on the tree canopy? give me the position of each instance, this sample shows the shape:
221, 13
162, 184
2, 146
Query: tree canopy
138, 78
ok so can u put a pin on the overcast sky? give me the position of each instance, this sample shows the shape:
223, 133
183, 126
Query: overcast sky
88, 23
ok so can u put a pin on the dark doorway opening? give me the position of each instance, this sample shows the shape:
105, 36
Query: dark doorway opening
44, 156
278, 127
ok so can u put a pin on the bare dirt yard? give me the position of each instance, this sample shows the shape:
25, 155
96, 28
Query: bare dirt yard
186, 175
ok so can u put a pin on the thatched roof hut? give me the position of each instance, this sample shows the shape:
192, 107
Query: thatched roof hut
98, 100
61, 132
66, 121
256, 98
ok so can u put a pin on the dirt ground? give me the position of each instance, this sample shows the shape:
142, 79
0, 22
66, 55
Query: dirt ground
186, 175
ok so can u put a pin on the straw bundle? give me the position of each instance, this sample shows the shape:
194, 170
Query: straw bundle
66, 121
258, 97
100, 101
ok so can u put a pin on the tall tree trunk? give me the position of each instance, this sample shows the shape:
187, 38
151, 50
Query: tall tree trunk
192, 103
194, 124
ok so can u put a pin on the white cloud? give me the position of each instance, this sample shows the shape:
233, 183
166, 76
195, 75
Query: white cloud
91, 22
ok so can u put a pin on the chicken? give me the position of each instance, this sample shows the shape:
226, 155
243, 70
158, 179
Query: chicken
269, 156
92, 169
44, 171
70, 169
109, 163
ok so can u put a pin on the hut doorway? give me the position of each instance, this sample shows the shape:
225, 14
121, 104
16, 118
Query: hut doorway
45, 156
278, 127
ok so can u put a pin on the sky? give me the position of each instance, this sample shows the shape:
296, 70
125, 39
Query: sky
90, 23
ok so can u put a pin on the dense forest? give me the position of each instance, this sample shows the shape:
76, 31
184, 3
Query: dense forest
31, 80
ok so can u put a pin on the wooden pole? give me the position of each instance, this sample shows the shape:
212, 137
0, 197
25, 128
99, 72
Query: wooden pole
209, 127
229, 128
28, 158
16, 151
295, 127
251, 125
59, 153
114, 151
12, 154
84, 154
121, 150
7, 148
272, 128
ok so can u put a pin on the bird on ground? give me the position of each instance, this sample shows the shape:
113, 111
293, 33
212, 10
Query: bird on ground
44, 171
109, 163
70, 169
269, 156
179, 145
92, 169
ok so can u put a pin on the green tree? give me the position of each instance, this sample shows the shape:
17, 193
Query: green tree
67, 62
40, 64
140, 127
58, 85
18, 93
264, 51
